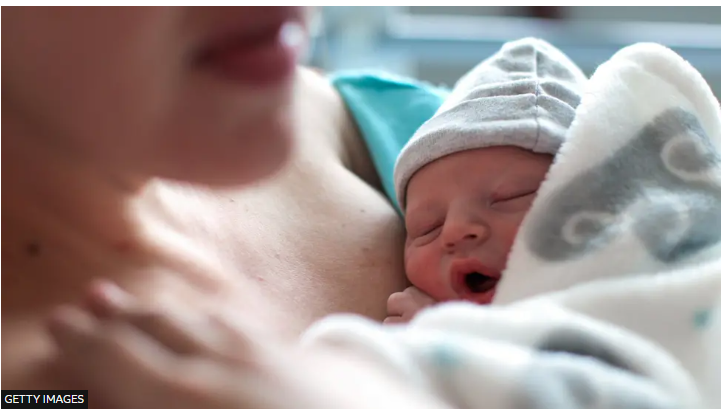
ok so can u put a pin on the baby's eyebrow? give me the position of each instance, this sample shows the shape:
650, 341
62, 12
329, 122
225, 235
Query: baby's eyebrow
520, 179
422, 210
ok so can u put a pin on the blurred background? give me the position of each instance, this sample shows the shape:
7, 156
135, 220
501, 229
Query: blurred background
439, 44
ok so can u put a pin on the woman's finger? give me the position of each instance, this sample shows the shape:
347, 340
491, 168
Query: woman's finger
107, 300
179, 329
127, 367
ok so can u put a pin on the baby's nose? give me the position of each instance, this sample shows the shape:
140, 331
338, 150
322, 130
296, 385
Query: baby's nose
467, 233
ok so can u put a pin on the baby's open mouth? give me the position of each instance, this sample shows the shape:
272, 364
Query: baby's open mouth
479, 283
473, 281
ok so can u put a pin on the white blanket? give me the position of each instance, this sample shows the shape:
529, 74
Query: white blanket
611, 297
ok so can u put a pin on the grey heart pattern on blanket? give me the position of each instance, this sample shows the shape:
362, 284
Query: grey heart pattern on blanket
664, 185
566, 383
581, 343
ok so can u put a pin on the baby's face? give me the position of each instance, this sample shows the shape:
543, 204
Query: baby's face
463, 212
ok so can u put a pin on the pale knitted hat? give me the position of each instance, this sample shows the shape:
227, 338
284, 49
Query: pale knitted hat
524, 96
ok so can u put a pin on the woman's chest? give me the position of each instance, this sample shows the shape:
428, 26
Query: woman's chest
309, 246
291, 253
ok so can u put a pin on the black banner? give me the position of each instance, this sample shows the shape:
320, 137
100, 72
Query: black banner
23, 398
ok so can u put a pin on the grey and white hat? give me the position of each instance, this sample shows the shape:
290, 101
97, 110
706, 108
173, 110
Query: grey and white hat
525, 95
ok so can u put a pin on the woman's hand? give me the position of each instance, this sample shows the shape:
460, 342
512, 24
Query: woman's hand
143, 357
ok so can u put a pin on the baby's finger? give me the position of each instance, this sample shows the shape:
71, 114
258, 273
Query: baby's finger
400, 303
393, 320
419, 297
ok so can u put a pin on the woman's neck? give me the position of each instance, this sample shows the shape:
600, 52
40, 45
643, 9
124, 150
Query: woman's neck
50, 186
63, 215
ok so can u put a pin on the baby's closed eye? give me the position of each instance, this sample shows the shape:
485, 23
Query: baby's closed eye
430, 228
423, 230
515, 201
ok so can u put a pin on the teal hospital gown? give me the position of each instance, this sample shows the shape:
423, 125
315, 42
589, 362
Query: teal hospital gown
388, 110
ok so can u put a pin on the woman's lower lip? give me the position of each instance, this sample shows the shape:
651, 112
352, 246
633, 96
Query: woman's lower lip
263, 62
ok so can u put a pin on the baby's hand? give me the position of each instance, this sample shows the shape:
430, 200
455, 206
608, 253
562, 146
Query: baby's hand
404, 305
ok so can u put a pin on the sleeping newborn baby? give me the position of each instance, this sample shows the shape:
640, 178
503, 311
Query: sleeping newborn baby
468, 176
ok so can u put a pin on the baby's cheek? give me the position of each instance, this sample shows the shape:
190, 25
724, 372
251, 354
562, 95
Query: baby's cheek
422, 269
510, 238
511, 232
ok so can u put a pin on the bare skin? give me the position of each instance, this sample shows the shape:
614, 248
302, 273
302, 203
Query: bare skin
315, 237
285, 254
181, 358
464, 226
403, 306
